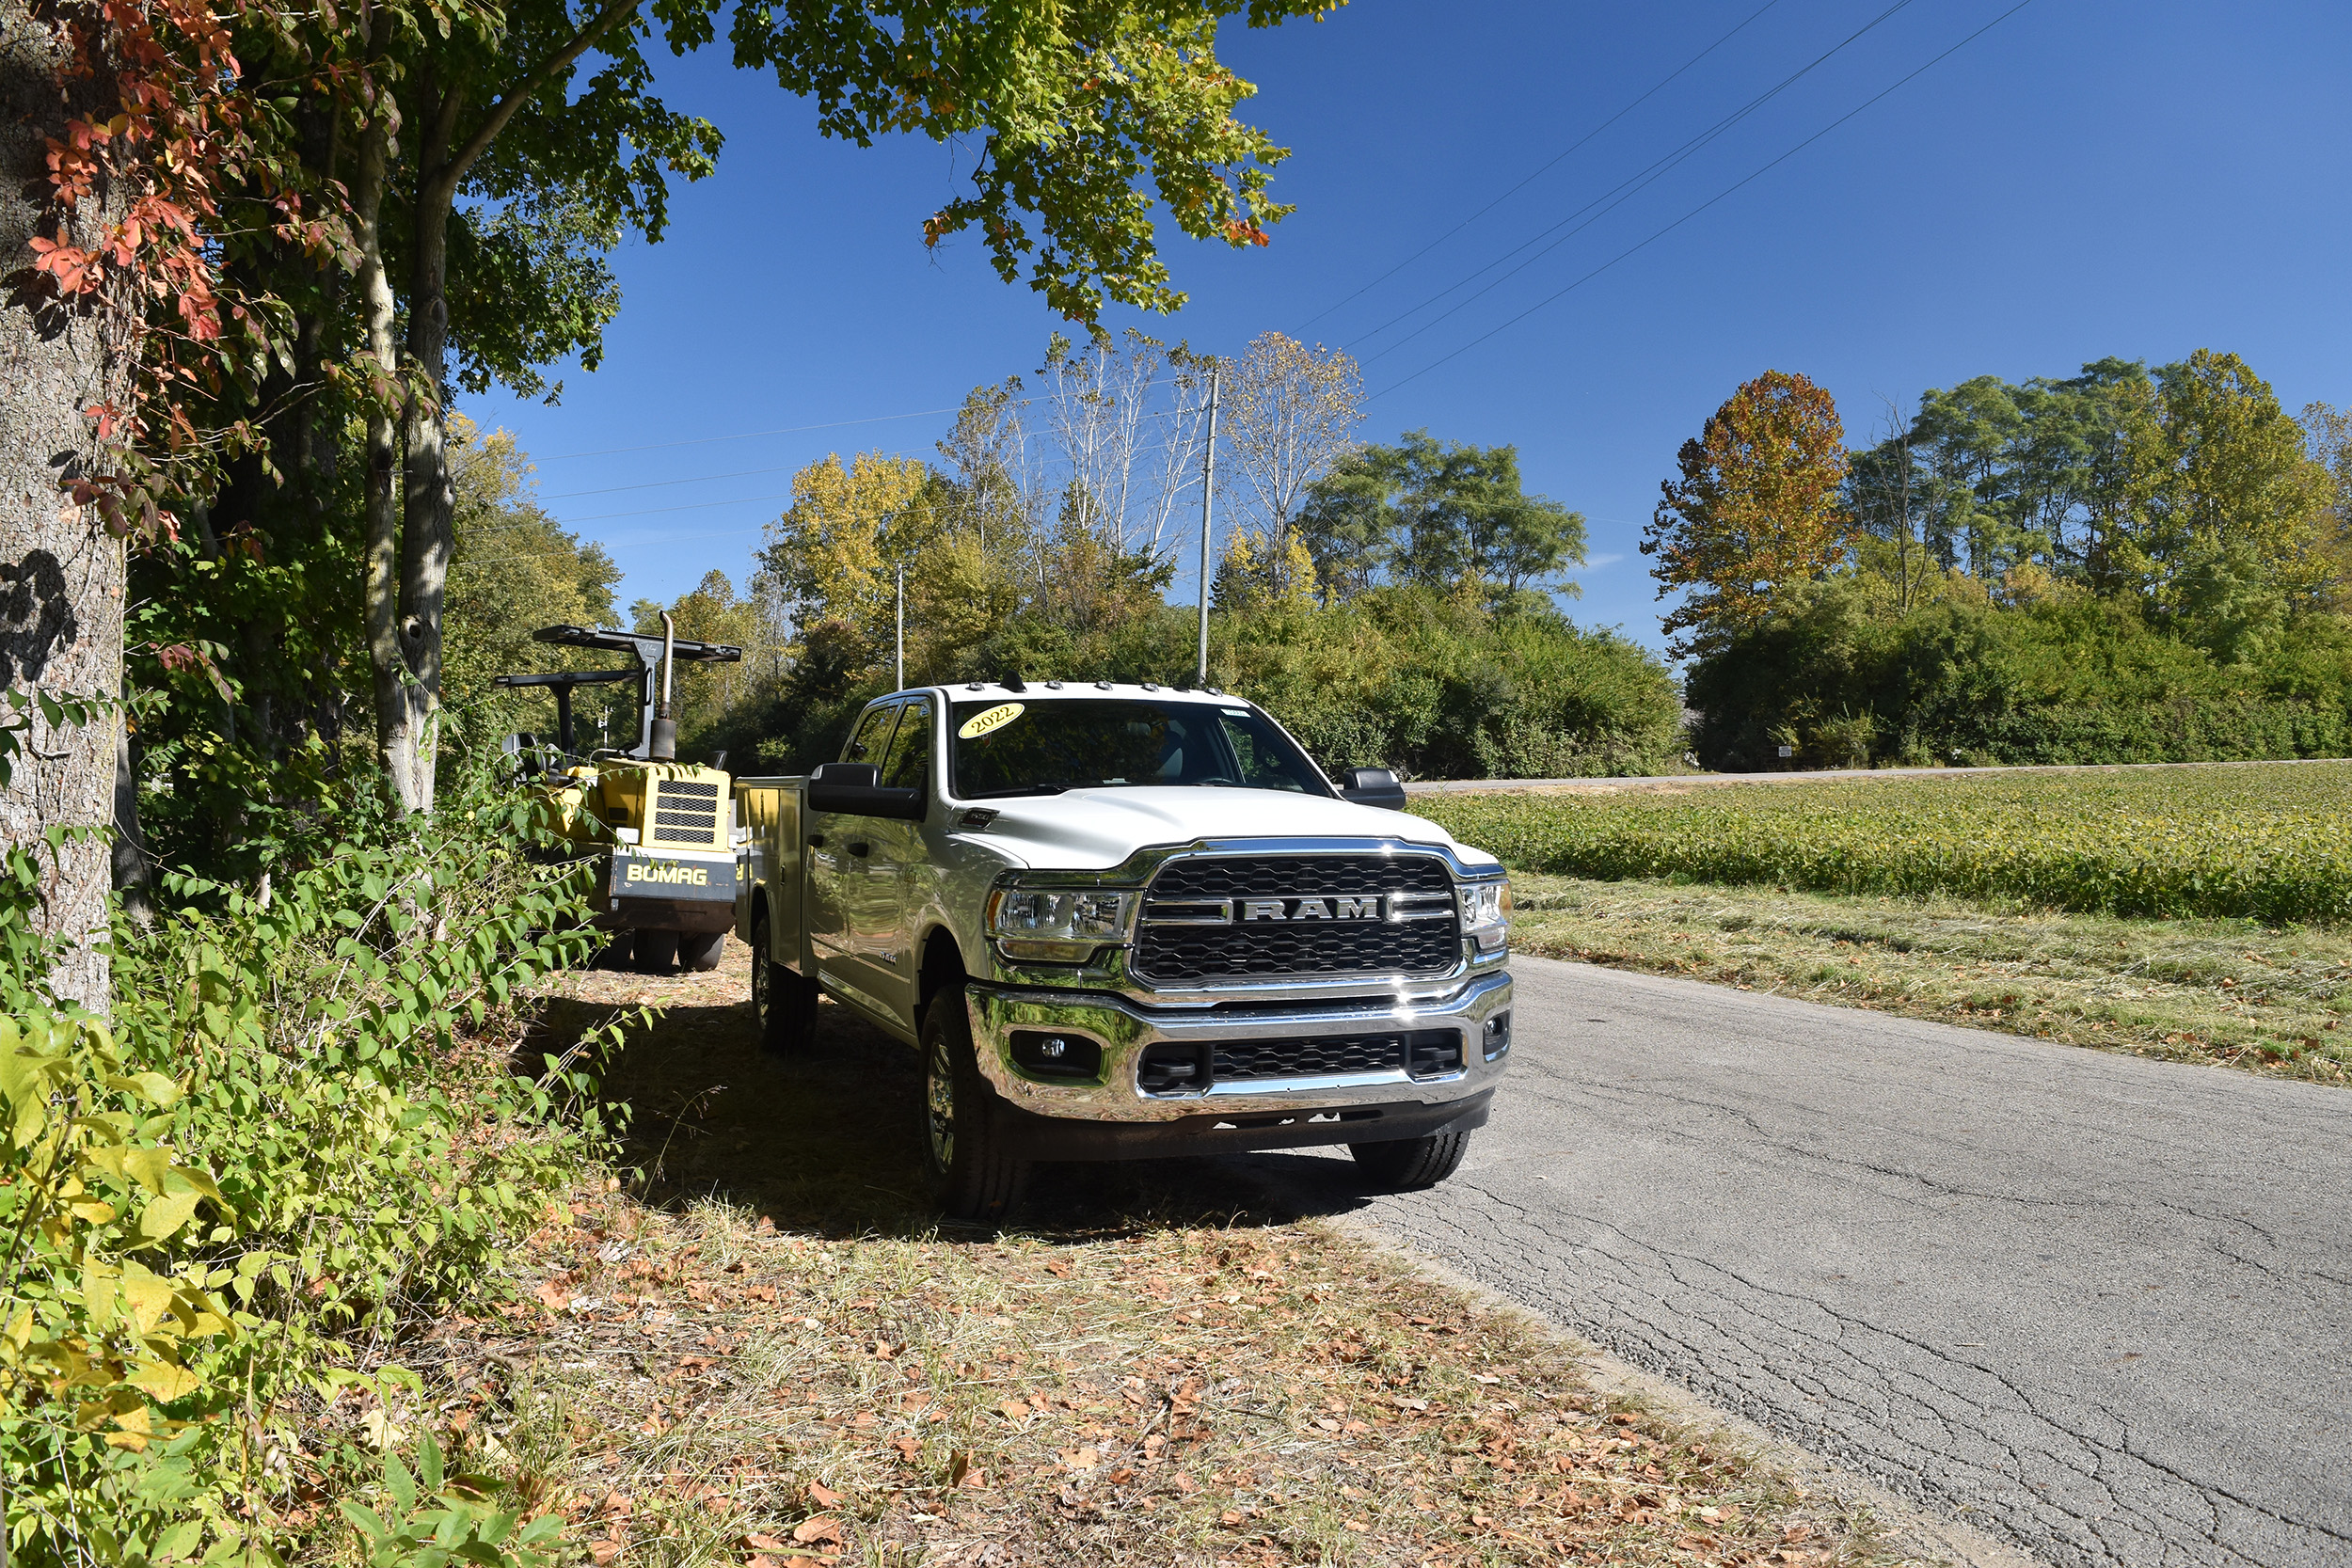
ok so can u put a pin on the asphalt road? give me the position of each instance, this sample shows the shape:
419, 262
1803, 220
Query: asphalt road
2097, 1305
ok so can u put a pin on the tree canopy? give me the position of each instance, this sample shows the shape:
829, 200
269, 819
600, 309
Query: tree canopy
1439, 514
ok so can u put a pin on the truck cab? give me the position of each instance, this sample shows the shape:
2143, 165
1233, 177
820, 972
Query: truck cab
1124, 921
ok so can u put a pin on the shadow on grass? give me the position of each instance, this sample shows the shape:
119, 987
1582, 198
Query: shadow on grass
827, 1143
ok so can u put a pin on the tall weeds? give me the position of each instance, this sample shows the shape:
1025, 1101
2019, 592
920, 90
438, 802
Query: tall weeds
309, 1123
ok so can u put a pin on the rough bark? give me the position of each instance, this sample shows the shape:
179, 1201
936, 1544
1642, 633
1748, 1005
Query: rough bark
61, 575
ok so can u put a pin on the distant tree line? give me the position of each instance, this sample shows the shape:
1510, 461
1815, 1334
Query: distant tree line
2128, 564
1392, 604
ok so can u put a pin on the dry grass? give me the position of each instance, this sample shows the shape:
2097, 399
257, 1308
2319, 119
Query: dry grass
765, 1349
2225, 991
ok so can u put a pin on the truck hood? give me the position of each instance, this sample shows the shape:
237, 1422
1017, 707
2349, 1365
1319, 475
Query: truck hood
1093, 829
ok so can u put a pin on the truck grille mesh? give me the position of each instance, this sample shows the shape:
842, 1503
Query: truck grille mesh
1173, 1067
1295, 949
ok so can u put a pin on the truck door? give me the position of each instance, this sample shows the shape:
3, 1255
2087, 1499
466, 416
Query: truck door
838, 876
879, 918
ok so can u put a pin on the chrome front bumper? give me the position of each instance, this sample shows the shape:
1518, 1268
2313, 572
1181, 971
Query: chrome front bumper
1125, 1030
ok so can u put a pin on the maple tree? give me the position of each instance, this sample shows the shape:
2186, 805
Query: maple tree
1759, 506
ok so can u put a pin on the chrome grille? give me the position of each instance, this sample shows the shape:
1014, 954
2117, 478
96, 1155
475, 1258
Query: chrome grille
1416, 931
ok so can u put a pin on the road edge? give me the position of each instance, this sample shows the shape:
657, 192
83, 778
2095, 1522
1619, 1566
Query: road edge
1910, 1530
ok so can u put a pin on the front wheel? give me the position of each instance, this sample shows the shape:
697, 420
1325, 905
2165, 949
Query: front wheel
1409, 1164
973, 1176
701, 951
655, 951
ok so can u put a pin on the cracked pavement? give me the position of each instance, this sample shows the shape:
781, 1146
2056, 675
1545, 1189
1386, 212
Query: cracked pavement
2091, 1304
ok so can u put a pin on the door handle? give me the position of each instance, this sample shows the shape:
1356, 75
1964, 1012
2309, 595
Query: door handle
859, 848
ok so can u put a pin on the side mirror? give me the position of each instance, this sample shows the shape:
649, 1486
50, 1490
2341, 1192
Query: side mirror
854, 789
1372, 786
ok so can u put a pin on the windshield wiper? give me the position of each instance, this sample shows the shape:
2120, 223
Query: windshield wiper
1022, 789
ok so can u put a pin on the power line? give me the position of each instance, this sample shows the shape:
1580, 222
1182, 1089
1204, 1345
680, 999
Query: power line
745, 436
1021, 435
1709, 201
801, 429
1546, 167
1610, 200
665, 483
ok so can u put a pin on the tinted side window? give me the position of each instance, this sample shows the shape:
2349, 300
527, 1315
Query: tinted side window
872, 737
909, 764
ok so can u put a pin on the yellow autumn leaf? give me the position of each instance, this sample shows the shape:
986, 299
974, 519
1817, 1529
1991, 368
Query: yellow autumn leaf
163, 1382
164, 1215
149, 1295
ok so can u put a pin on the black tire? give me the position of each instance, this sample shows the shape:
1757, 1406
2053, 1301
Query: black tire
655, 951
783, 1003
1409, 1164
616, 954
701, 951
972, 1177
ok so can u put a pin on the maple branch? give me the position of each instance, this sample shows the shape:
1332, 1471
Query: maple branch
503, 110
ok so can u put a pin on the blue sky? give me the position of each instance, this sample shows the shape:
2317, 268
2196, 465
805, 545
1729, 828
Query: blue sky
2088, 178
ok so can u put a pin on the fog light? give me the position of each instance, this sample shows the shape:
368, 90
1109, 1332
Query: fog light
1041, 1055
1498, 1036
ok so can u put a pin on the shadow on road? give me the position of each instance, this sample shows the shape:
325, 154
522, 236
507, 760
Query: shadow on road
828, 1143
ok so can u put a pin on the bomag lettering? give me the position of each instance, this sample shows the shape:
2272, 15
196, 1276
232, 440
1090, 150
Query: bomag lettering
668, 873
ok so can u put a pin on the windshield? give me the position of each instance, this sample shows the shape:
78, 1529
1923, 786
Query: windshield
1014, 747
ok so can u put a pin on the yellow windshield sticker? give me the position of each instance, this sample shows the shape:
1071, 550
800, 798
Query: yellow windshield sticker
994, 719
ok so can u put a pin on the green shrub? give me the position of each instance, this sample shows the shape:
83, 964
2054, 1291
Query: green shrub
1434, 686
2074, 680
303, 1128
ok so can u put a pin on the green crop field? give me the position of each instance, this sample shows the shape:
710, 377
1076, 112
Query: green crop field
2272, 844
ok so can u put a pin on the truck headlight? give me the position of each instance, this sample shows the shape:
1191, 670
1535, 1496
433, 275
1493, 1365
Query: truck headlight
1486, 912
1056, 924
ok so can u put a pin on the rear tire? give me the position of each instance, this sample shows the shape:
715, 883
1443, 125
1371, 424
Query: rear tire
617, 953
1411, 1164
783, 1003
701, 952
655, 951
973, 1176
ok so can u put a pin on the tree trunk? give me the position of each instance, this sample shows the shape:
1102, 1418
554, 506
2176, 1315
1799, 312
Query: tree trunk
400, 700
429, 495
61, 573
133, 879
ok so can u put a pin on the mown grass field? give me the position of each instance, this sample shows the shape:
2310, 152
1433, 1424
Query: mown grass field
2227, 993
2270, 843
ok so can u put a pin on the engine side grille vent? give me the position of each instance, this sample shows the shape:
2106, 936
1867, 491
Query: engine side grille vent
685, 813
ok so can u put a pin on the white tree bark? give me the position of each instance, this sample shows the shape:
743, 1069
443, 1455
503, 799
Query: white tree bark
61, 573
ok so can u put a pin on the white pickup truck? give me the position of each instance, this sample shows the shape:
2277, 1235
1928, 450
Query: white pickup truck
1122, 921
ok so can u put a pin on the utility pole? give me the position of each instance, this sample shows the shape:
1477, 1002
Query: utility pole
902, 627
1208, 502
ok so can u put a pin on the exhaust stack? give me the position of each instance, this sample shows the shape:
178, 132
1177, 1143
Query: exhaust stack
665, 747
